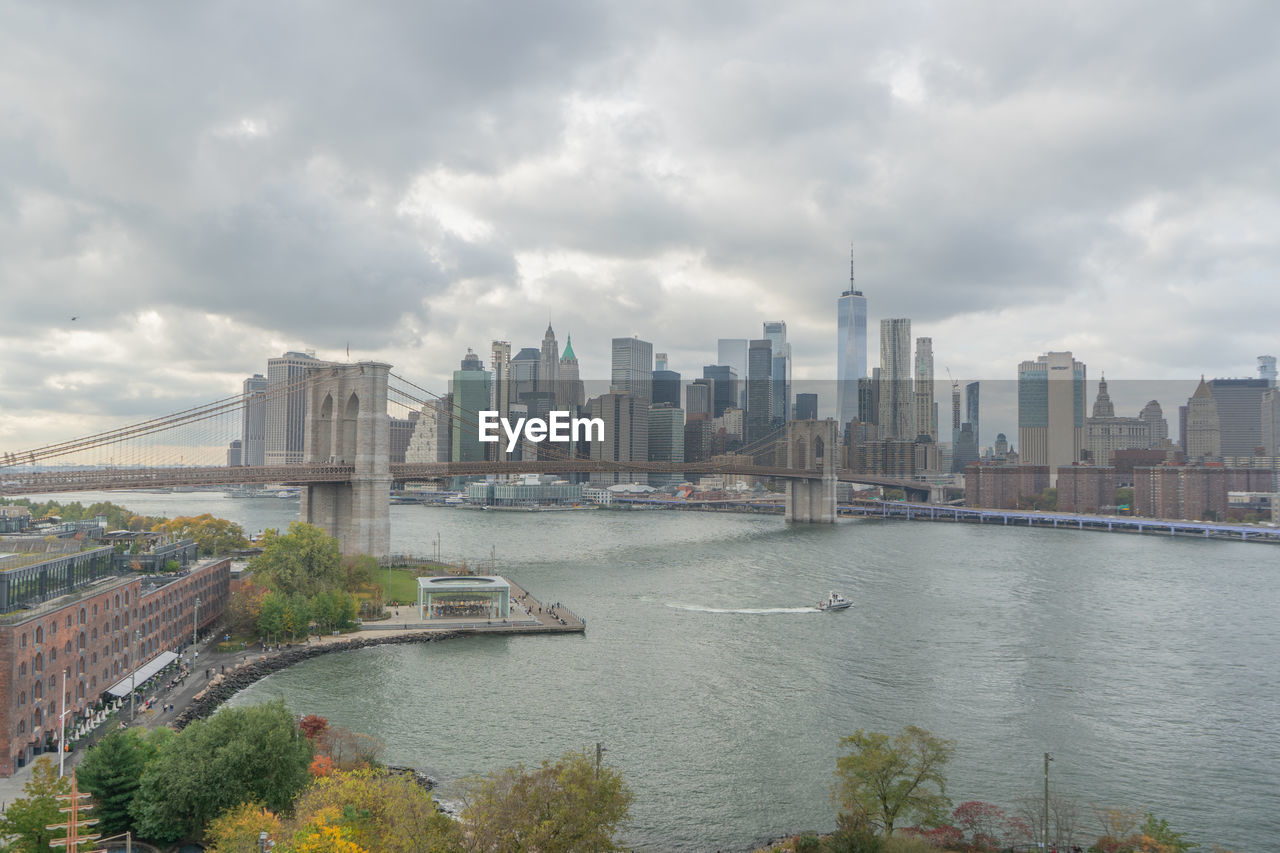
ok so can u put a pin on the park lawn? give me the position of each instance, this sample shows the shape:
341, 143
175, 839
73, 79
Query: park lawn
400, 584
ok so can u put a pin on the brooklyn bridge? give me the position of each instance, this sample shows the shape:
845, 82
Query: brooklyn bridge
347, 475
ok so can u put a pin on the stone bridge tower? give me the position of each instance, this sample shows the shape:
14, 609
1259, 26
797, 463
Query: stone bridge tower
347, 424
811, 446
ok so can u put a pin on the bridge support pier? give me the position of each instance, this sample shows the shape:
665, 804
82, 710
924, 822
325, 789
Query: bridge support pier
347, 424
811, 446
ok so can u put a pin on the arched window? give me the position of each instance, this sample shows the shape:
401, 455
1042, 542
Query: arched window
38, 664
39, 634
82, 616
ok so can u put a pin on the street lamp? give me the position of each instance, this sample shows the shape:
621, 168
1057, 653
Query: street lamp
133, 676
195, 624
1047, 759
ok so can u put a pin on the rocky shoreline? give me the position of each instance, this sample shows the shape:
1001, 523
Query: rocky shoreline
226, 685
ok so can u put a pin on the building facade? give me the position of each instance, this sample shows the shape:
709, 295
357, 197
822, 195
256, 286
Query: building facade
924, 418
1003, 486
1202, 436
632, 371
1086, 489
71, 649
284, 441
471, 391
666, 442
1051, 410
759, 389
896, 419
626, 435
253, 432
776, 332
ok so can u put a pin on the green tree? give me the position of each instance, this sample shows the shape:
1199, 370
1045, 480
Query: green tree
213, 535
112, 770
305, 560
333, 610
1124, 497
358, 572
1155, 836
238, 755
882, 779
26, 818
271, 614
562, 806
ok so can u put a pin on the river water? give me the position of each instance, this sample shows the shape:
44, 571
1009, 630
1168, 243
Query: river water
1148, 666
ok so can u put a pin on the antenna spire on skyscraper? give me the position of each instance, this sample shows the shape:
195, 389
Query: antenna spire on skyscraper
851, 266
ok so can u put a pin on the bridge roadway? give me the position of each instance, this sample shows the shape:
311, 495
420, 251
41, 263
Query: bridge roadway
16, 482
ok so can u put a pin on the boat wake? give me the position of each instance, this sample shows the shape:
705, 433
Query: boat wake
754, 611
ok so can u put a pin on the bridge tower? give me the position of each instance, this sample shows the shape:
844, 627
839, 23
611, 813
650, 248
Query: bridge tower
347, 424
811, 446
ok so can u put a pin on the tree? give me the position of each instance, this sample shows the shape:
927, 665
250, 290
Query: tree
244, 609
358, 572
374, 810
985, 826
236, 830
238, 755
561, 806
305, 560
26, 818
213, 535
112, 771
882, 779
1155, 836
271, 614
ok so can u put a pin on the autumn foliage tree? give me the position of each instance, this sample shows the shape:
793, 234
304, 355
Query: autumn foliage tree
237, 829
26, 820
213, 535
370, 809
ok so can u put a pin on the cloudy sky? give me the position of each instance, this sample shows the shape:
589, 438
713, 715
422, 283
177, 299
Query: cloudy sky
203, 186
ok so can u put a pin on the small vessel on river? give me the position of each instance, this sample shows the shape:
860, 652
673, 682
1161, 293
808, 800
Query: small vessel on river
835, 601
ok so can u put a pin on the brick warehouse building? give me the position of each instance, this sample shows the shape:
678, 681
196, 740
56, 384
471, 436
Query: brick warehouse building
1002, 486
1193, 492
1086, 488
107, 622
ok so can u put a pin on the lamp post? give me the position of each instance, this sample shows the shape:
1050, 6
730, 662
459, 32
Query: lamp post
195, 623
133, 676
1047, 759
62, 724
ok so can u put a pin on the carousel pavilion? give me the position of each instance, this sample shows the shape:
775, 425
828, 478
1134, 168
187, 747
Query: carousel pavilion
463, 597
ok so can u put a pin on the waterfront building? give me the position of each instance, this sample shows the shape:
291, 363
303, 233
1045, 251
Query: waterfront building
724, 387
633, 369
1003, 486
549, 364
471, 389
1051, 407
1202, 436
253, 431
284, 438
1190, 492
572, 396
733, 353
74, 627
666, 441
806, 407
759, 389
1086, 489
1157, 426
1106, 433
473, 597
626, 434
924, 416
851, 352
697, 398
432, 439
896, 400
1239, 404
776, 332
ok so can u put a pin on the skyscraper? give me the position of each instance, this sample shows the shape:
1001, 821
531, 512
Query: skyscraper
759, 389
666, 441
626, 434
1267, 369
500, 393
698, 397
254, 431
1239, 403
1202, 436
724, 387
972, 411
806, 407
896, 421
851, 351
1157, 426
1051, 411
570, 381
284, 441
633, 369
549, 364
776, 332
733, 352
524, 373
924, 390
471, 391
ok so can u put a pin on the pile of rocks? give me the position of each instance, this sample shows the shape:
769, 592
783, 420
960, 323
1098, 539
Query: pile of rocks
224, 686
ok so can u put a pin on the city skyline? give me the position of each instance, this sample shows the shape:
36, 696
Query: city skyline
624, 174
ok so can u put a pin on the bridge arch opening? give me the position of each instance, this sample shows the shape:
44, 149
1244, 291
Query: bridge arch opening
323, 435
350, 418
802, 454
818, 448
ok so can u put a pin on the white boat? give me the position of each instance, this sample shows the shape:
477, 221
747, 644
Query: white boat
835, 601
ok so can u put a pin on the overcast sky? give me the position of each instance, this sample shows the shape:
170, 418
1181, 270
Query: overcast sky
203, 186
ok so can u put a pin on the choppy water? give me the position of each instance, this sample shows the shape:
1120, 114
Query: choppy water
1149, 667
